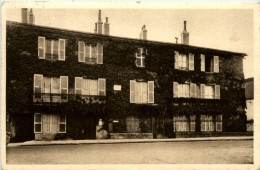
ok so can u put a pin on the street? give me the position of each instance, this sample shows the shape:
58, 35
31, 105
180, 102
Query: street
200, 152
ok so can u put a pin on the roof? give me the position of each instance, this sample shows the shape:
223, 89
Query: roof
130, 39
249, 88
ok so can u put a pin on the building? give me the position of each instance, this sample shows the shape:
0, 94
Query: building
68, 84
249, 87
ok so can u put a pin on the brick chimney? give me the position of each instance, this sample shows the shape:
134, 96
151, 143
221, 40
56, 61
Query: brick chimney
106, 27
143, 34
185, 35
99, 23
95, 30
27, 16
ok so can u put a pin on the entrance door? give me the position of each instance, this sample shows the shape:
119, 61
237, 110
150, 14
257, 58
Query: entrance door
90, 127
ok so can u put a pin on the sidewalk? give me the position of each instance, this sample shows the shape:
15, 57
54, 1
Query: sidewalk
115, 141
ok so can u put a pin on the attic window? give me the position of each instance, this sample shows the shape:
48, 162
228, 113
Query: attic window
140, 57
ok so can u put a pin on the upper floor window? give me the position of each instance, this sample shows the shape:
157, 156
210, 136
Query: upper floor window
209, 63
90, 87
51, 49
141, 92
196, 91
91, 54
50, 85
140, 57
184, 61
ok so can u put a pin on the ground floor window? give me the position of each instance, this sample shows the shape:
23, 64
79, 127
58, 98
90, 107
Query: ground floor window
132, 124
182, 123
218, 122
211, 123
49, 123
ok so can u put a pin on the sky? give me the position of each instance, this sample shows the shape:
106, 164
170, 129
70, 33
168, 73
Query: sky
224, 29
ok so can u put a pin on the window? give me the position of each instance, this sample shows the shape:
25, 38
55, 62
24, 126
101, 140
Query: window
132, 124
51, 49
91, 54
219, 123
180, 123
207, 123
184, 90
90, 87
141, 92
62, 123
37, 123
192, 123
46, 87
210, 63
140, 58
210, 91
184, 61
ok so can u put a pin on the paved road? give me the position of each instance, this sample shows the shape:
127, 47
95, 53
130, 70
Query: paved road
216, 152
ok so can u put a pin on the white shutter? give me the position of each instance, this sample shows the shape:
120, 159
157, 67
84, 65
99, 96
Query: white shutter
81, 49
191, 61
101, 87
78, 85
202, 63
216, 64
175, 89
62, 50
132, 91
41, 47
202, 91
176, 58
192, 90
150, 91
99, 53
217, 91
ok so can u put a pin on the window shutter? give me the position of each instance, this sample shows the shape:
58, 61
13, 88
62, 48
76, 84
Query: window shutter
81, 49
62, 53
202, 63
192, 90
176, 57
78, 85
87, 55
38, 83
150, 91
175, 89
132, 91
216, 64
64, 87
217, 91
198, 91
191, 61
101, 87
99, 53
202, 91
41, 47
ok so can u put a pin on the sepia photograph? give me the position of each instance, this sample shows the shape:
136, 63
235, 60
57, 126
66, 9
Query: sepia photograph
94, 84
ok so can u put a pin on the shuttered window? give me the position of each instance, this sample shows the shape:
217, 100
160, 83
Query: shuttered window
217, 91
101, 87
180, 124
78, 85
141, 92
62, 52
37, 123
64, 88
216, 64
41, 47
191, 61
202, 63
193, 90
81, 49
38, 82
99, 53
62, 123
176, 60
140, 58
207, 123
150, 92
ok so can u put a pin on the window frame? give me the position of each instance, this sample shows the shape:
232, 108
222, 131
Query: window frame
141, 57
59, 50
63, 123
37, 122
43, 48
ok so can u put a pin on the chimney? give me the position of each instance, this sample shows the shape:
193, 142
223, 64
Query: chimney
185, 35
31, 17
25, 15
143, 34
95, 30
99, 23
106, 27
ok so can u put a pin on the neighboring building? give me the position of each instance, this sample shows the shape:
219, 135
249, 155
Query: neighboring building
249, 86
63, 84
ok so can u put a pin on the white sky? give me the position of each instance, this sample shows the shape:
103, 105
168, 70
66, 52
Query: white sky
225, 29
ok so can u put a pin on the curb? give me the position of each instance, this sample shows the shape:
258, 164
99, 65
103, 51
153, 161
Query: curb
120, 141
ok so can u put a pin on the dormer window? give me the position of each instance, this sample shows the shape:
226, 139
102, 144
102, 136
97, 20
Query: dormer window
90, 54
140, 58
